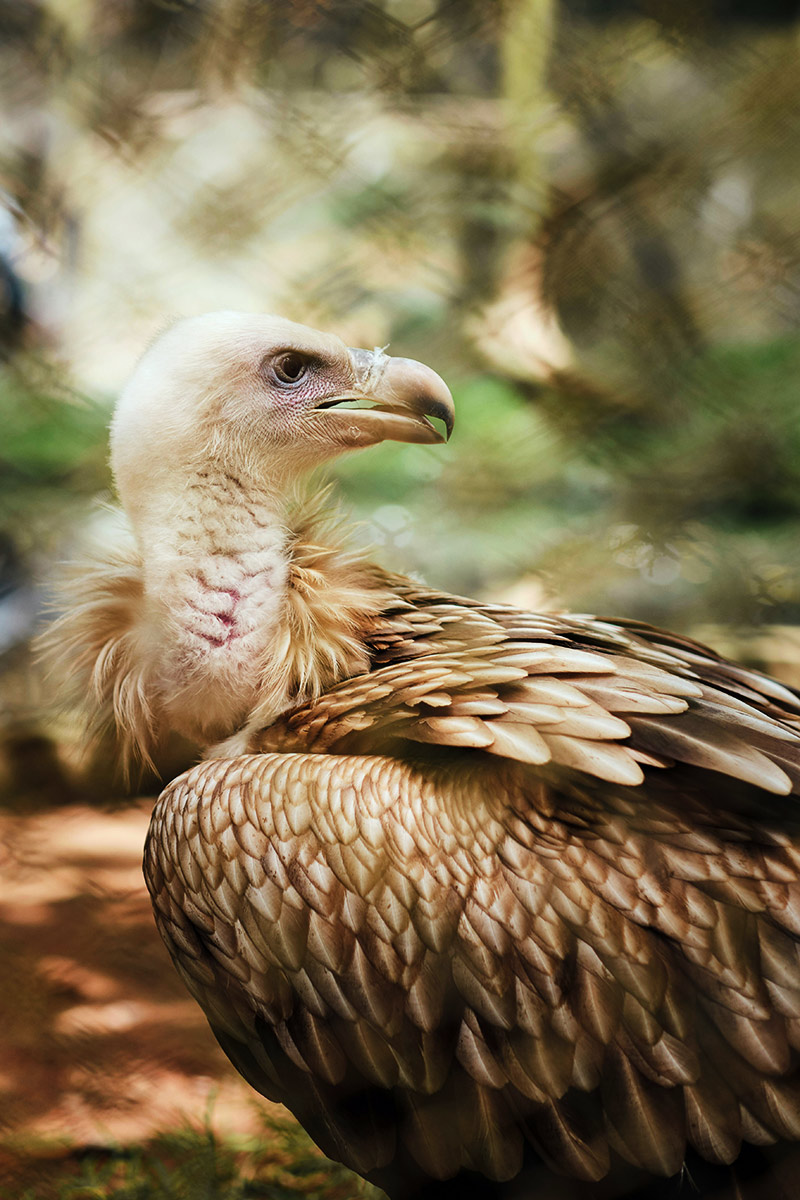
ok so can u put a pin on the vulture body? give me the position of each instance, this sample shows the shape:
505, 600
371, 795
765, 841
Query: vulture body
499, 904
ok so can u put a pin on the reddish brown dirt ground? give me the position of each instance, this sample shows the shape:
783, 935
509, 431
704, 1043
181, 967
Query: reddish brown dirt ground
99, 1041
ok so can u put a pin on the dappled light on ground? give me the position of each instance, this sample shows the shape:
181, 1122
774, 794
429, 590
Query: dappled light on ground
101, 1048
100, 1040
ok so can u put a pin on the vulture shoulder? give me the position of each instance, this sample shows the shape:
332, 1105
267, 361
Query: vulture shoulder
525, 892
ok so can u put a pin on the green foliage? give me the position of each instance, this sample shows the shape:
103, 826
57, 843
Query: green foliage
473, 513
395, 171
683, 510
52, 455
705, 482
185, 1164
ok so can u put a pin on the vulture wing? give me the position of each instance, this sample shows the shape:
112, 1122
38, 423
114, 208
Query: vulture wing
528, 891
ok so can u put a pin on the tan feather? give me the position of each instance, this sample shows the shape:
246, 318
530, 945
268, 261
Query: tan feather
713, 1123
432, 1136
570, 1147
646, 1123
521, 742
613, 763
452, 731
692, 744
94, 651
489, 1132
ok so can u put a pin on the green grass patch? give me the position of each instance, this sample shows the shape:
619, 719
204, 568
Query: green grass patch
184, 1164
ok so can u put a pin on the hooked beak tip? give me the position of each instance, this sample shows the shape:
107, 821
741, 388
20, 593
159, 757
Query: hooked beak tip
444, 413
407, 388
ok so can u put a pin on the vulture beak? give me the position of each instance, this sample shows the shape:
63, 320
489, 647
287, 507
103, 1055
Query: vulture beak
402, 394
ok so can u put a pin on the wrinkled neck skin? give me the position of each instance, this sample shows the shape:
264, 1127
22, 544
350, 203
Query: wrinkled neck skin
215, 576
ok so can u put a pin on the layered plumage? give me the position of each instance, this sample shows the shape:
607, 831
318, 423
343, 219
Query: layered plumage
480, 894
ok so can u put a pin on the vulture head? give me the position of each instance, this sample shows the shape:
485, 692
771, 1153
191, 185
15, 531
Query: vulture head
265, 398
224, 607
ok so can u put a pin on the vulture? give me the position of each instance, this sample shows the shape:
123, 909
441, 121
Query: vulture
499, 904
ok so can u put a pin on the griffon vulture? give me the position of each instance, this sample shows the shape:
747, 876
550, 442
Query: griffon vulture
498, 903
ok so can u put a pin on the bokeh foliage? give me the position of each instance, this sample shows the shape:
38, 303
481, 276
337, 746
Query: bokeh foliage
586, 219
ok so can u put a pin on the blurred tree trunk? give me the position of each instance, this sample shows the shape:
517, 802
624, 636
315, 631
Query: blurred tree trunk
526, 45
500, 186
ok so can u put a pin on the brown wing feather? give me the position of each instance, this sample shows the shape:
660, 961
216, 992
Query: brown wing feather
592, 696
425, 957
460, 925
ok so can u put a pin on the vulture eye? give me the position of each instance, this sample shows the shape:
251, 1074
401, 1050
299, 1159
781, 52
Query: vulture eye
289, 368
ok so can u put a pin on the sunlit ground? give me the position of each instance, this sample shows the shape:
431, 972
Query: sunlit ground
101, 1048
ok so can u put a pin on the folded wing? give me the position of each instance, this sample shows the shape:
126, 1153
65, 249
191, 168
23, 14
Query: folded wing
528, 888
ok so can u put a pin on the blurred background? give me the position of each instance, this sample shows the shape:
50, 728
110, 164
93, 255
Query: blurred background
585, 214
